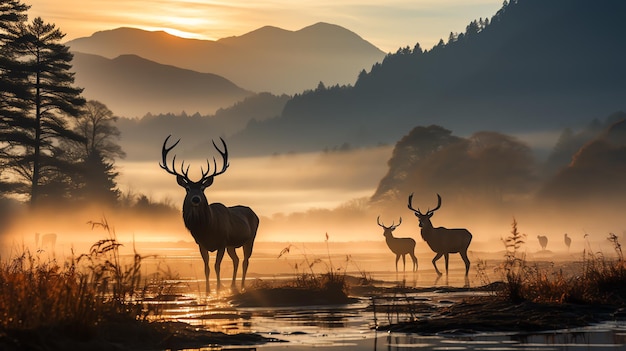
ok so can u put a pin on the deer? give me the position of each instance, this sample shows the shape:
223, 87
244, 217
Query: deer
543, 241
568, 241
442, 241
399, 246
214, 226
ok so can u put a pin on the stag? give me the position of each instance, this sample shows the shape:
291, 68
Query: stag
442, 241
215, 227
399, 246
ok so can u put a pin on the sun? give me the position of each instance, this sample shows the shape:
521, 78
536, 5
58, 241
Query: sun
181, 33
185, 26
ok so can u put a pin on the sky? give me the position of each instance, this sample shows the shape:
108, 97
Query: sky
387, 25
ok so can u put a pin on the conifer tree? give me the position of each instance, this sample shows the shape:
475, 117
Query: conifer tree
49, 107
13, 89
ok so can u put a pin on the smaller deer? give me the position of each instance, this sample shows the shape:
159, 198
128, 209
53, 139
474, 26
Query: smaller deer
399, 246
543, 241
568, 241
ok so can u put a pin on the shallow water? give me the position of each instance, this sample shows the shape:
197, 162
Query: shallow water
349, 327
352, 326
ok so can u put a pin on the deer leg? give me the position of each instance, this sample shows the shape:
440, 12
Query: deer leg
403, 262
414, 261
437, 256
218, 264
247, 252
466, 260
205, 258
233, 256
397, 259
446, 256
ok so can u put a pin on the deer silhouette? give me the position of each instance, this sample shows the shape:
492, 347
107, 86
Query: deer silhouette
442, 241
399, 246
215, 227
568, 241
543, 241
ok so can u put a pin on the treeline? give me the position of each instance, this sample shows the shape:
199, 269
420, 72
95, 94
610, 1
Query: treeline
143, 137
495, 169
534, 65
55, 147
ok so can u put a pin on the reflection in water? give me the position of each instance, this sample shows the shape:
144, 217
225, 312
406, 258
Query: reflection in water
601, 337
351, 327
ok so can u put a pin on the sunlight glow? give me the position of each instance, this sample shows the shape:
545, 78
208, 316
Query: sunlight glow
388, 26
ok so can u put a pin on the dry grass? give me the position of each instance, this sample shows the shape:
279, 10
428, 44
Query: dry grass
74, 297
601, 280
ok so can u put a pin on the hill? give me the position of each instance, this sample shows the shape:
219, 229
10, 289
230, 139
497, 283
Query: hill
141, 137
131, 86
267, 59
535, 66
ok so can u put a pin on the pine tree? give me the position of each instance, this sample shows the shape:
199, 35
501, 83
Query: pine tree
13, 88
51, 105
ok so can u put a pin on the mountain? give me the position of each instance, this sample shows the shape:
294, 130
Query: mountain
132, 86
267, 59
535, 66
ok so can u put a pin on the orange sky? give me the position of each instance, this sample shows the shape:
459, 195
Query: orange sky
395, 24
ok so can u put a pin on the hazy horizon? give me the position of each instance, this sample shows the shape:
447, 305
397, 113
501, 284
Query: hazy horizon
387, 26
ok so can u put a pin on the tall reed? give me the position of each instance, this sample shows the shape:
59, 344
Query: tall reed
74, 296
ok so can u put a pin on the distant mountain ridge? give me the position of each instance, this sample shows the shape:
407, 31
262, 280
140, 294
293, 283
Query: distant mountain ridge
535, 66
267, 59
132, 86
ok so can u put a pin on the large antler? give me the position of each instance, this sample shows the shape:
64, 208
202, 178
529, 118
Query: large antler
411, 205
205, 174
438, 205
224, 155
164, 151
429, 212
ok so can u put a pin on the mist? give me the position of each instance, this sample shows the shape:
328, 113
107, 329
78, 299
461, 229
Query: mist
305, 197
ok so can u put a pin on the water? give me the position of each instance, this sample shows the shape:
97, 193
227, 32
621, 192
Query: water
351, 327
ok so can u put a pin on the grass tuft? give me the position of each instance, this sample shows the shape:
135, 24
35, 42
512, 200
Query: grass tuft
74, 297
602, 280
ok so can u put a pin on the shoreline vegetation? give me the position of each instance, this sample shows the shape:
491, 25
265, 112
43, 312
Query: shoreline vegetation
98, 300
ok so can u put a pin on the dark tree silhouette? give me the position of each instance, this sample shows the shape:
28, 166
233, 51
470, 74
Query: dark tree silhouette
408, 154
97, 125
596, 171
13, 87
98, 151
52, 102
486, 166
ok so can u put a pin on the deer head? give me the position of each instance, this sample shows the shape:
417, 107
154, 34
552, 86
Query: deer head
391, 228
424, 218
195, 190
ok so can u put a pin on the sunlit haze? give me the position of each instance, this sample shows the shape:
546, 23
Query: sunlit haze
303, 197
271, 185
387, 25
